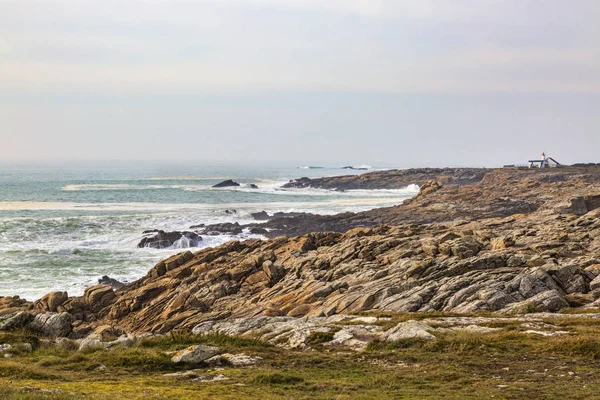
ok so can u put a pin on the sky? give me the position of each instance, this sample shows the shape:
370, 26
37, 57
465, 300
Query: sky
383, 82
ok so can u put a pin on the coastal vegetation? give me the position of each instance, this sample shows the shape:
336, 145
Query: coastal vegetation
508, 363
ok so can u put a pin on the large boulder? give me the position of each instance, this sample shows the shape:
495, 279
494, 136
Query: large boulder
51, 301
161, 240
98, 297
195, 354
52, 324
17, 321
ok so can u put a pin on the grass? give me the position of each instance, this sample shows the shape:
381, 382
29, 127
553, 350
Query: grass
459, 365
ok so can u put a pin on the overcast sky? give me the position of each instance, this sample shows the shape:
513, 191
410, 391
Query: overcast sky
383, 82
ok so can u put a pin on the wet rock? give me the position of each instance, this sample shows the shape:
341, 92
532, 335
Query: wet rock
258, 231
113, 283
162, 240
226, 228
226, 183
261, 216
195, 354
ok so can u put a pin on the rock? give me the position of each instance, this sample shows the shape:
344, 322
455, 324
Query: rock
211, 378
595, 283
225, 228
93, 341
193, 373
227, 183
550, 300
99, 296
17, 321
408, 330
5, 347
546, 333
51, 301
258, 231
252, 186
195, 354
176, 239
462, 248
124, 340
28, 347
260, 216
52, 324
429, 187
113, 283
241, 360
230, 212
501, 243
67, 343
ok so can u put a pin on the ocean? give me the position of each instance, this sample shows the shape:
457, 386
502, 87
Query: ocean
62, 227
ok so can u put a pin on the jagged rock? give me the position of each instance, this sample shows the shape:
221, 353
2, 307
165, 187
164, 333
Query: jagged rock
260, 216
257, 230
227, 183
162, 240
98, 296
51, 301
225, 228
52, 324
5, 347
408, 330
501, 243
195, 354
113, 283
429, 187
17, 321
550, 300
595, 283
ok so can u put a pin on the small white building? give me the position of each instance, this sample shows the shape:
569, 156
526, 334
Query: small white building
544, 162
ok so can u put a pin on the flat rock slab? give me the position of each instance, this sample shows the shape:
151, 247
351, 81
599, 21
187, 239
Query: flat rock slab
408, 330
195, 354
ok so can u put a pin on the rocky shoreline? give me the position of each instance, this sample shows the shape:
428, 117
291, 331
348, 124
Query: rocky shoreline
507, 241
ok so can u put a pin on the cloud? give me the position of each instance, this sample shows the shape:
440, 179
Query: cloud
463, 46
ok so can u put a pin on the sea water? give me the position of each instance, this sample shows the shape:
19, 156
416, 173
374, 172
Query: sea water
62, 227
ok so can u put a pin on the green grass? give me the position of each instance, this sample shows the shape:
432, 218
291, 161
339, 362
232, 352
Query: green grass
459, 365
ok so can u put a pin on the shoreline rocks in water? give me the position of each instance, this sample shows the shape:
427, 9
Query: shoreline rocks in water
227, 183
517, 241
163, 240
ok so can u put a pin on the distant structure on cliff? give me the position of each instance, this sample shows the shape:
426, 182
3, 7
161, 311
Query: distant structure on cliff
544, 162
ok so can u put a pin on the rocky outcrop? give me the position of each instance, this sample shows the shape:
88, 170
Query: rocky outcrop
159, 239
393, 179
505, 244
